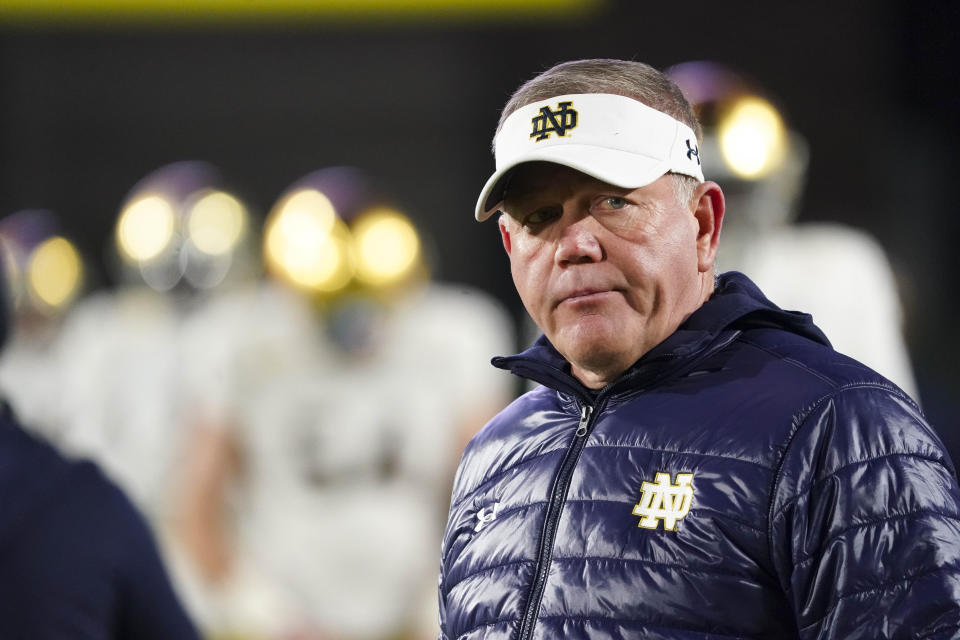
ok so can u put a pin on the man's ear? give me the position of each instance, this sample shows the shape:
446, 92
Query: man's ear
708, 207
502, 221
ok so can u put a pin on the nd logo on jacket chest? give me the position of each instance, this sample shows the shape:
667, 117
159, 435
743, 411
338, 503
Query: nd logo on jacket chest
663, 500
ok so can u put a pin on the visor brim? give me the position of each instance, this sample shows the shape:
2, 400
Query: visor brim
613, 166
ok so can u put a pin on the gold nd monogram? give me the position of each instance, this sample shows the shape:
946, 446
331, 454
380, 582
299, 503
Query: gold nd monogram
549, 121
662, 500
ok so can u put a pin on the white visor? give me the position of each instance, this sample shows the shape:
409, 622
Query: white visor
612, 138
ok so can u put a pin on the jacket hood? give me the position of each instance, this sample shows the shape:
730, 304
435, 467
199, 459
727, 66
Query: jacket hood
736, 304
736, 300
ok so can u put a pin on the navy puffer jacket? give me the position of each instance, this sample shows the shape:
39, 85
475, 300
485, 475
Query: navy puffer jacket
741, 480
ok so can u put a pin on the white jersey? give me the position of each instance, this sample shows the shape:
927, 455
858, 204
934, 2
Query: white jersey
120, 396
843, 278
348, 456
30, 379
240, 339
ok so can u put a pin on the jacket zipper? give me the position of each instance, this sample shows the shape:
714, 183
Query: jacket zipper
558, 497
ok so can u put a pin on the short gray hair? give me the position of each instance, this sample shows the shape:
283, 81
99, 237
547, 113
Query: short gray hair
626, 78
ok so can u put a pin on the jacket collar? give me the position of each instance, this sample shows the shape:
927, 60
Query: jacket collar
736, 303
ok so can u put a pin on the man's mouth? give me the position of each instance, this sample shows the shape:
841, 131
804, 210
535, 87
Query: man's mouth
584, 296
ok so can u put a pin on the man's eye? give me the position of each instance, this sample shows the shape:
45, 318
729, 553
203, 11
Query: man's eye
540, 216
614, 202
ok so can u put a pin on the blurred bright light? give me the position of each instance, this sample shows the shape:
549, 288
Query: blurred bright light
145, 228
216, 223
388, 247
55, 273
306, 244
752, 138
306, 212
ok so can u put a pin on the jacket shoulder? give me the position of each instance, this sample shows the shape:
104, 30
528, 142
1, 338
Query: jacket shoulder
848, 410
864, 466
825, 369
860, 464
530, 420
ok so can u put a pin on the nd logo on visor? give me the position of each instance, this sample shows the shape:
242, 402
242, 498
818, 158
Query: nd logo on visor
549, 121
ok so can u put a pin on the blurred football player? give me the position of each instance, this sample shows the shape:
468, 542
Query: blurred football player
341, 393
44, 273
839, 274
177, 237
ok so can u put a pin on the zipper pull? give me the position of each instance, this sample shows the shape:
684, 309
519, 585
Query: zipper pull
585, 413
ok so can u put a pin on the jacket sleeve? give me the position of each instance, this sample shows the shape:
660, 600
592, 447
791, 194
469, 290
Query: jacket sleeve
441, 599
865, 521
443, 610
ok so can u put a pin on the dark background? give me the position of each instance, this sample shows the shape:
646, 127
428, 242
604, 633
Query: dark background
87, 110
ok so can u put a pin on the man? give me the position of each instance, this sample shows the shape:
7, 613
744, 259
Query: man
697, 463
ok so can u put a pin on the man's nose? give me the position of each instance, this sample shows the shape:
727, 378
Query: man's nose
578, 243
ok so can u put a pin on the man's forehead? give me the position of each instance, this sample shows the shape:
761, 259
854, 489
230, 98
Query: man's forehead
532, 178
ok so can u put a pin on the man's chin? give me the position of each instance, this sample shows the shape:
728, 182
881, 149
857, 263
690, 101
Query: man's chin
603, 354
592, 333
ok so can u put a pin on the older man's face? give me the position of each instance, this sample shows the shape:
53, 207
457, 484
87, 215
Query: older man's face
606, 273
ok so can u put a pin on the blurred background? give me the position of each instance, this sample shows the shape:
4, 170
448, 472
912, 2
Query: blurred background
158, 144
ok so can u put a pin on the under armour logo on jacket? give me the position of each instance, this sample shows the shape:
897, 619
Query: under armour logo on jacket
662, 500
487, 515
